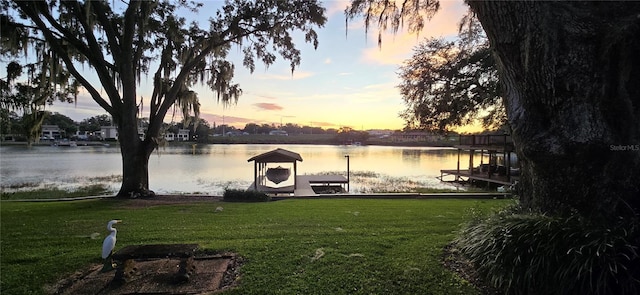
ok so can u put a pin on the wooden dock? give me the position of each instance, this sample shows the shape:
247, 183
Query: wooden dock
498, 170
304, 185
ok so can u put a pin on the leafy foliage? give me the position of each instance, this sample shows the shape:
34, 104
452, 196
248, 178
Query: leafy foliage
122, 45
94, 123
445, 84
346, 135
44, 83
388, 14
529, 253
236, 195
65, 123
451, 83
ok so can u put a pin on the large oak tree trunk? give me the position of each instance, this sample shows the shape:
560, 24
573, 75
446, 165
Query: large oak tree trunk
571, 75
135, 171
135, 157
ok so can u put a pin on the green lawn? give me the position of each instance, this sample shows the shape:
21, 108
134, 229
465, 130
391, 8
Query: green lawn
323, 246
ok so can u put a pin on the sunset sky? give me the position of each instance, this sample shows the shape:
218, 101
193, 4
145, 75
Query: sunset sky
347, 81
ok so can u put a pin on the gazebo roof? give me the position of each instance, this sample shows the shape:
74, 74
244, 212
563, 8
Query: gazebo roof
277, 156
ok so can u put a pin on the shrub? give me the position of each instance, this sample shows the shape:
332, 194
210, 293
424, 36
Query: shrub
236, 195
537, 254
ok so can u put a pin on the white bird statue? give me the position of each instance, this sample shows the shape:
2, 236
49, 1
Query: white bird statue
108, 245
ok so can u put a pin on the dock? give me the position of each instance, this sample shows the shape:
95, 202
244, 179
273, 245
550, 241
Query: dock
498, 170
465, 176
304, 186
268, 179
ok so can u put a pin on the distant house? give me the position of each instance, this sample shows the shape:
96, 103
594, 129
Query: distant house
183, 135
278, 132
51, 132
109, 132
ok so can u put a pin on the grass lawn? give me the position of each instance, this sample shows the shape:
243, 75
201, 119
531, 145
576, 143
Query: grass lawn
323, 246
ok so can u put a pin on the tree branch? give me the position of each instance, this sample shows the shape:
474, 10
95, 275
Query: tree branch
57, 47
107, 26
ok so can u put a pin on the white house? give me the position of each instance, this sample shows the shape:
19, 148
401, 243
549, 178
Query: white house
183, 135
109, 132
51, 132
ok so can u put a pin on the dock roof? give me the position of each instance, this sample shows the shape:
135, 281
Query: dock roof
276, 156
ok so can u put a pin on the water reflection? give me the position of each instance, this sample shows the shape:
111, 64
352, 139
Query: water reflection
211, 168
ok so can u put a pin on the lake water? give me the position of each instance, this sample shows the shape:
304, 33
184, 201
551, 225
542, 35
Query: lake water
208, 169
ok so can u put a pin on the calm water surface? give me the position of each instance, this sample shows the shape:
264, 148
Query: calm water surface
211, 168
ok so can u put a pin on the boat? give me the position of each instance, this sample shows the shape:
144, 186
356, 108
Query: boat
278, 174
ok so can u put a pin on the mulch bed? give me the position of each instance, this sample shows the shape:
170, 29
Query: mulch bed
148, 269
155, 273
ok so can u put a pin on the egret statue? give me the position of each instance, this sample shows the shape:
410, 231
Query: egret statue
108, 245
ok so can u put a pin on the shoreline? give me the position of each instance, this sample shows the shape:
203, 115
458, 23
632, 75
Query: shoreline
203, 198
259, 140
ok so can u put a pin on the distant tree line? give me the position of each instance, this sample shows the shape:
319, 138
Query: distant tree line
200, 130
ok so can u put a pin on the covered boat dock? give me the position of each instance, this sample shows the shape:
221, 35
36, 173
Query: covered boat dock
499, 169
273, 180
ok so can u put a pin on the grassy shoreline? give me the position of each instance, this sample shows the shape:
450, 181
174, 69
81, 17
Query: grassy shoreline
55, 193
368, 246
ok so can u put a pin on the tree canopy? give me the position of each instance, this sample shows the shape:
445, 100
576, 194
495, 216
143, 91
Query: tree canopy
392, 15
445, 84
122, 46
41, 86
108, 47
448, 84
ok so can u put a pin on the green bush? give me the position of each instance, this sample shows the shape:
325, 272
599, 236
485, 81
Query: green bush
236, 195
538, 254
